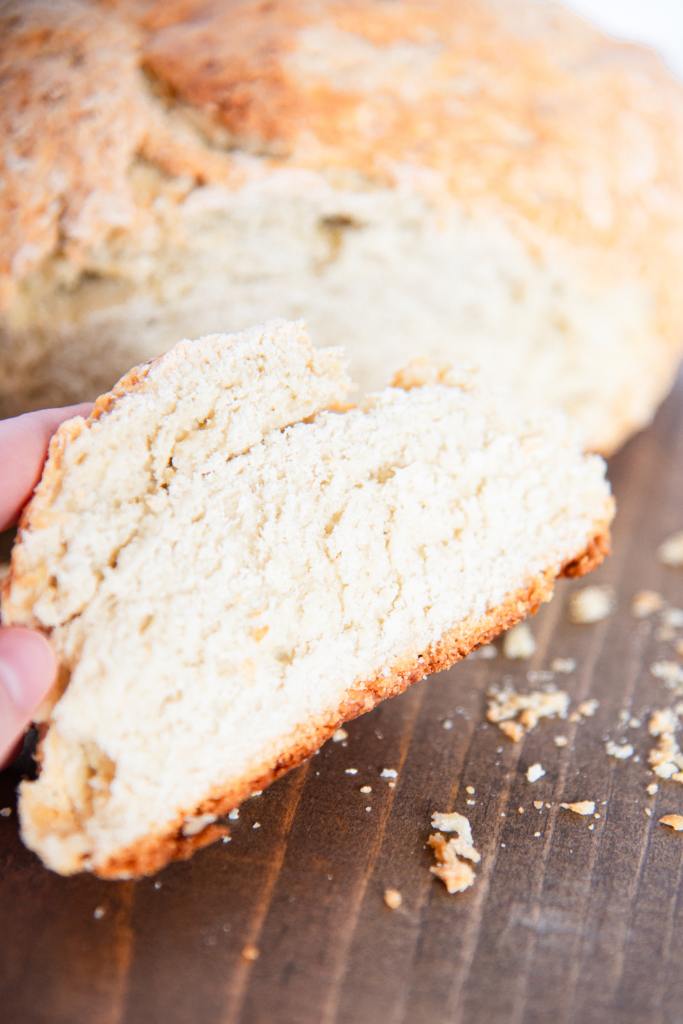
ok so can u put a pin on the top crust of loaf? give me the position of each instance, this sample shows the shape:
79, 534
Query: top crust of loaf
521, 109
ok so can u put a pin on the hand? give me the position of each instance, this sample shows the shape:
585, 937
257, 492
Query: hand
27, 664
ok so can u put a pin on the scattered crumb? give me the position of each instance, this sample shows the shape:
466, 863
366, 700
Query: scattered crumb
519, 642
670, 552
391, 785
470, 789
645, 603
257, 824
538, 804
463, 844
158, 885
665, 758
368, 808
584, 807
513, 730
471, 803
539, 675
393, 898
251, 952
234, 814
535, 772
537, 835
674, 821
648, 812
518, 713
226, 839
561, 741
366, 789
564, 665
587, 708
350, 771
257, 792
5, 812
670, 672
98, 913
591, 604
622, 751
652, 788
486, 652
673, 618
339, 735
389, 773
447, 723
520, 810
634, 723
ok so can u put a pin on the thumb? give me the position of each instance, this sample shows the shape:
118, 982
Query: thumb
27, 672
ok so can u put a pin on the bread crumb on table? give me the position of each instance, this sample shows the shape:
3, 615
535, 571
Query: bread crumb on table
621, 751
583, 807
393, 898
250, 952
670, 672
453, 854
518, 713
5, 812
646, 603
564, 665
560, 741
365, 789
388, 773
666, 757
670, 551
98, 913
591, 604
674, 821
519, 642
652, 789
535, 772
587, 708
339, 735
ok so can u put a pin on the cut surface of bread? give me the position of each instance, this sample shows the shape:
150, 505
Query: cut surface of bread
230, 561
503, 187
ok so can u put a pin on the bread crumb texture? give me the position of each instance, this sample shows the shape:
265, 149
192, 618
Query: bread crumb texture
583, 807
670, 552
519, 642
515, 714
535, 772
591, 604
455, 855
673, 821
229, 568
393, 899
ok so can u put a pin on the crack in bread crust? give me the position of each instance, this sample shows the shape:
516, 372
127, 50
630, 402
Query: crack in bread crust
152, 853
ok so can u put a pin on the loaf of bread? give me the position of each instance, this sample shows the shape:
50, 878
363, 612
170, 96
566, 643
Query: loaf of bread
230, 562
487, 180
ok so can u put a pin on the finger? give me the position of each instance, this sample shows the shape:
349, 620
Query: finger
23, 447
27, 673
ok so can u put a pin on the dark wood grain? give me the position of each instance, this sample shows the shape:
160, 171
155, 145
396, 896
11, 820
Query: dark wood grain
572, 925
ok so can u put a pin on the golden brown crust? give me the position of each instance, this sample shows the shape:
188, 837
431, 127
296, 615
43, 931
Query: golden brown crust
522, 111
152, 853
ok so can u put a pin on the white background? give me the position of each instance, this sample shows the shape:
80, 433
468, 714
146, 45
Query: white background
656, 22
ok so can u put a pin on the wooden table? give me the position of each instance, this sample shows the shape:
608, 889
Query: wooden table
563, 924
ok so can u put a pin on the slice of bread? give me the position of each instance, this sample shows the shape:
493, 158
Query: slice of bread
229, 566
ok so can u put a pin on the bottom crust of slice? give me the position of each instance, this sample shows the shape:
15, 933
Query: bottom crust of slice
155, 851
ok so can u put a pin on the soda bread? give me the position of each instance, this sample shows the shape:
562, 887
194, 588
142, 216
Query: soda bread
230, 563
491, 180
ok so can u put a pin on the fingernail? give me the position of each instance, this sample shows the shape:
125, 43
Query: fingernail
27, 667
